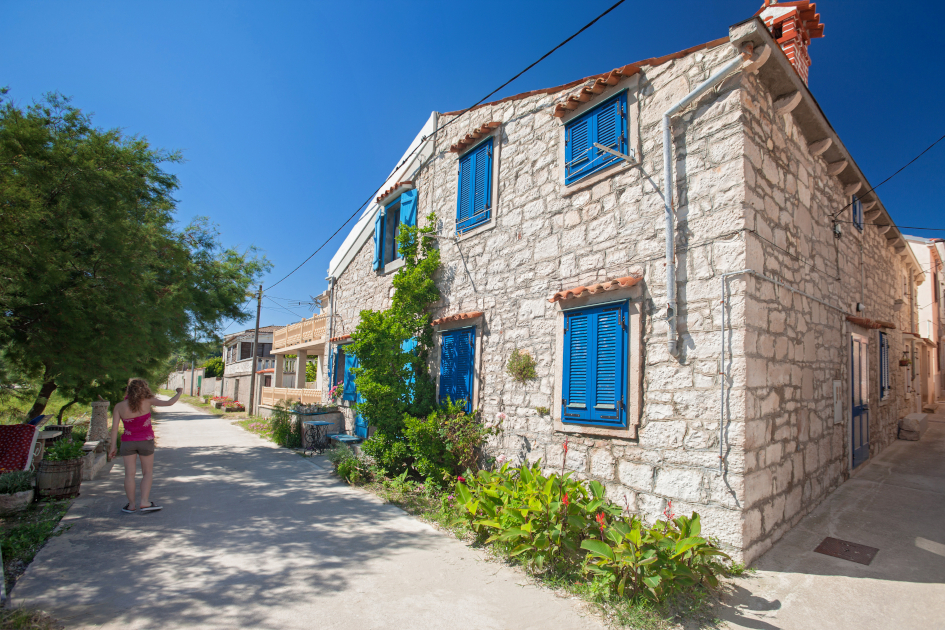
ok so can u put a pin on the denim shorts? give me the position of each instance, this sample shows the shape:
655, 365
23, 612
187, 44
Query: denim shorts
137, 447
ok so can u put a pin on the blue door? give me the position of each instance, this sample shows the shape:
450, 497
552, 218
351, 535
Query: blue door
859, 384
352, 394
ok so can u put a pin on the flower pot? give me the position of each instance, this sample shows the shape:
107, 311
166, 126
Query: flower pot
904, 362
229, 409
59, 480
13, 503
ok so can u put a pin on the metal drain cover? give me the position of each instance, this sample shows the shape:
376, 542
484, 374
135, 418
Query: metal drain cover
846, 550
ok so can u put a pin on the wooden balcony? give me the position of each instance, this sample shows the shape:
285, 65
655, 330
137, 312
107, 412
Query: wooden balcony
272, 395
301, 335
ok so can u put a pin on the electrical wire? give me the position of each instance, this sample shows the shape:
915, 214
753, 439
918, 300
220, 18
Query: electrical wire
283, 307
901, 227
444, 126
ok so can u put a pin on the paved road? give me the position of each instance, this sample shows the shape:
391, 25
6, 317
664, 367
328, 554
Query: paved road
253, 536
896, 504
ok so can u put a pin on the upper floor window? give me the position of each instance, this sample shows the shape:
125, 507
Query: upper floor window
884, 384
390, 220
246, 350
606, 125
474, 199
857, 208
596, 353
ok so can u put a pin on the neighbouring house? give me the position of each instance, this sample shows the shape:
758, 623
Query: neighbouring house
928, 346
714, 295
237, 363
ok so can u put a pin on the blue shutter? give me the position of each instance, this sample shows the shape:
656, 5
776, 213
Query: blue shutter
408, 208
456, 366
606, 125
595, 362
857, 208
378, 239
474, 196
350, 390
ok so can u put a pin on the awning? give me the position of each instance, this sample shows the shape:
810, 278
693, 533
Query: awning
608, 285
456, 318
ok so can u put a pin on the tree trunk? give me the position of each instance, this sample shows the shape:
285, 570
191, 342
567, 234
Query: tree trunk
64, 407
42, 399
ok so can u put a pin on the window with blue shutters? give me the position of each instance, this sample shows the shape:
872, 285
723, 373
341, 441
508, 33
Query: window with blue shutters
606, 125
596, 353
857, 209
388, 224
350, 391
474, 198
884, 383
457, 353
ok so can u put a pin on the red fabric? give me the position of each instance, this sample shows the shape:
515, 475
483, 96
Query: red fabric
137, 429
16, 445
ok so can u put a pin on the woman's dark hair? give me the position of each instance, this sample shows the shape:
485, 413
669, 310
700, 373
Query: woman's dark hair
137, 392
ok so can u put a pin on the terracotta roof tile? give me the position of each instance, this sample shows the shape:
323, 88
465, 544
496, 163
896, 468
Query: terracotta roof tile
341, 338
456, 318
870, 323
472, 138
266, 371
608, 285
406, 185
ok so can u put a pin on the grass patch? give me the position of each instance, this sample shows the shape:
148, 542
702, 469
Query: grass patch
27, 619
14, 407
259, 426
23, 534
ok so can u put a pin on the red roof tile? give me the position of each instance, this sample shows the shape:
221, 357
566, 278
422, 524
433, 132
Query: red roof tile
341, 338
870, 323
608, 285
408, 185
472, 138
266, 371
456, 318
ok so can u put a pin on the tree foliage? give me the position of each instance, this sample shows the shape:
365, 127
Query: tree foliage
97, 281
213, 367
392, 380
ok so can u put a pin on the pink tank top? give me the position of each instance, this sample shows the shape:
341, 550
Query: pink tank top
138, 429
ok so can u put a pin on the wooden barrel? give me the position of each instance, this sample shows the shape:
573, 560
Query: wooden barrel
59, 480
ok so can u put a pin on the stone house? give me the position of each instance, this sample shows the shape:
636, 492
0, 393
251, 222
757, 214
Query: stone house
726, 344
930, 319
237, 366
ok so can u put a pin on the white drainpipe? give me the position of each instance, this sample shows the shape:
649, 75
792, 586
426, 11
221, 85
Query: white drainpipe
709, 83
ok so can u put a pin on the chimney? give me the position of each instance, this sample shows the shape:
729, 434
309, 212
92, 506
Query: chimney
793, 25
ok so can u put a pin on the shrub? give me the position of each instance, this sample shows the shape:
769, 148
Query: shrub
445, 443
349, 466
542, 411
391, 455
16, 481
64, 450
521, 366
80, 434
285, 430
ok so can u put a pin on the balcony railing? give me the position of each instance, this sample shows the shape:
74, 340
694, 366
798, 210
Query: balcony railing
307, 330
272, 395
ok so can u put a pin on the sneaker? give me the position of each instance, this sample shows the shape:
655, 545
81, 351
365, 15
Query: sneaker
128, 509
151, 508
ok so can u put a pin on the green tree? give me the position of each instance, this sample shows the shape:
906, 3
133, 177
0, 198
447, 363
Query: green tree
97, 282
213, 367
394, 381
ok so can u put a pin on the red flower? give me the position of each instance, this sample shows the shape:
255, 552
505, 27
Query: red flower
565, 447
601, 522
567, 501
461, 479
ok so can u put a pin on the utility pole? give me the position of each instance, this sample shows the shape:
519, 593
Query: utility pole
252, 376
193, 358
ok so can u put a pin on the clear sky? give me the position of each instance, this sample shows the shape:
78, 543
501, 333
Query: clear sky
290, 114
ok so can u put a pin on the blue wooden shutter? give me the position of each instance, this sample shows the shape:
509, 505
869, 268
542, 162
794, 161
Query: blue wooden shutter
379, 239
456, 365
857, 209
408, 208
474, 202
350, 390
606, 125
595, 364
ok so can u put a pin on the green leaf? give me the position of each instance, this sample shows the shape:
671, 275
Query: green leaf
597, 489
521, 549
462, 492
598, 548
652, 581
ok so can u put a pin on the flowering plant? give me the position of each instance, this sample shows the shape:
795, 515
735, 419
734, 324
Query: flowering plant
234, 405
335, 392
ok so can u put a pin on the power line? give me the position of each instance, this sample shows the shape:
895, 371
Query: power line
901, 227
444, 126
283, 307
837, 213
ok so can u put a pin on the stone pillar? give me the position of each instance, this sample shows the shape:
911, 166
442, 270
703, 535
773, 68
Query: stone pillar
300, 368
320, 379
280, 368
98, 428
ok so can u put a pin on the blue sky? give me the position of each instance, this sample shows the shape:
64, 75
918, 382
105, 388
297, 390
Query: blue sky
290, 114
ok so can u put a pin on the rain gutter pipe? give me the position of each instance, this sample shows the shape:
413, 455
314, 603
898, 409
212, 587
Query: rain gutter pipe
722, 371
705, 86
331, 329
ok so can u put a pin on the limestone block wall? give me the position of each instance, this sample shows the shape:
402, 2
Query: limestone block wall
794, 452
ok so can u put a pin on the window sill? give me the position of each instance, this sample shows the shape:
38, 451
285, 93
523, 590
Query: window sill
626, 433
485, 227
592, 180
393, 266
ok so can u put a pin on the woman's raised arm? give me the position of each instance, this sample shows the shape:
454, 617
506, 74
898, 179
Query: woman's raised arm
157, 402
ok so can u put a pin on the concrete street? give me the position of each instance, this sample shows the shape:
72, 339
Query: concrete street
896, 503
253, 536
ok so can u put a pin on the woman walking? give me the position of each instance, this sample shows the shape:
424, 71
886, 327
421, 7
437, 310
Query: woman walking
138, 440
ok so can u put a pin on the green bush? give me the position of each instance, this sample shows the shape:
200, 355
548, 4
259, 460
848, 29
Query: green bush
286, 430
80, 434
391, 455
16, 481
349, 466
64, 450
559, 523
213, 367
445, 443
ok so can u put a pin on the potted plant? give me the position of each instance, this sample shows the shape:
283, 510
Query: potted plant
59, 475
234, 405
16, 491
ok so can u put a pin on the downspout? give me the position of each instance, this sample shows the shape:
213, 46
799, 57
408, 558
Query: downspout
727, 69
331, 329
